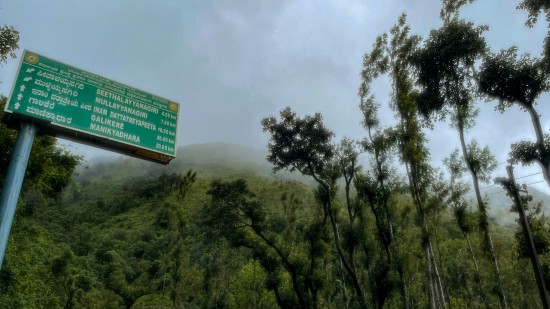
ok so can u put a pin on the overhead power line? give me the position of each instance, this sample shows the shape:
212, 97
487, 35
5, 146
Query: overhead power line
501, 191
517, 178
529, 175
535, 182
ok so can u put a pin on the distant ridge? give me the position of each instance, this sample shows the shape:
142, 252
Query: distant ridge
231, 160
500, 204
228, 160
209, 160
222, 154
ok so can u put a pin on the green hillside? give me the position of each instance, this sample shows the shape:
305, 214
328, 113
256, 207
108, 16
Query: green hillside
122, 237
132, 234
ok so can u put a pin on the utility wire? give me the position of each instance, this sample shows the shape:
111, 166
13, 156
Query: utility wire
496, 192
501, 191
529, 175
516, 178
535, 182
494, 184
526, 185
487, 187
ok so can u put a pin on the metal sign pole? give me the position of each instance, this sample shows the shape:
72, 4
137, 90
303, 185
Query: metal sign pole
13, 182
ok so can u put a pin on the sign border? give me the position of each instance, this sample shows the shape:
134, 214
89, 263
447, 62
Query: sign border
13, 119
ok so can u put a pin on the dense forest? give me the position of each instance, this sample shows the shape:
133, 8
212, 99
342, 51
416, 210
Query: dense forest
313, 222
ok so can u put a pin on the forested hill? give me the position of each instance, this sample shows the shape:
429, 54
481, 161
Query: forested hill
127, 234
133, 234
218, 160
215, 160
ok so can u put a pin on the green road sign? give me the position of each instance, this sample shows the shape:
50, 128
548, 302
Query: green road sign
85, 107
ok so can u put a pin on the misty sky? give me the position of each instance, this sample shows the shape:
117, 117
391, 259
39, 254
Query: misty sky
231, 63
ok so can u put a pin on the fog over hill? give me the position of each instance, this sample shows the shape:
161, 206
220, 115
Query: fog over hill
500, 204
209, 160
220, 160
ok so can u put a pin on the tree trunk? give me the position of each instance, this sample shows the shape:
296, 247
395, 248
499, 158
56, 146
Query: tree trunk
437, 277
544, 161
350, 268
477, 274
484, 221
404, 292
437, 294
380, 179
289, 267
430, 277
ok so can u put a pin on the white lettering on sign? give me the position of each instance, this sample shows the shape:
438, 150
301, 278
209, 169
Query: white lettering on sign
164, 147
40, 82
168, 115
128, 101
136, 95
38, 102
109, 131
121, 107
38, 112
61, 80
134, 121
168, 132
64, 101
108, 122
40, 93
47, 66
63, 119
100, 110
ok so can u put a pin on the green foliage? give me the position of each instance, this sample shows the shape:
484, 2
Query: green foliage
512, 79
249, 287
302, 144
481, 161
50, 167
96, 258
233, 208
538, 224
539, 230
527, 152
451, 8
444, 67
9, 39
236, 215
534, 8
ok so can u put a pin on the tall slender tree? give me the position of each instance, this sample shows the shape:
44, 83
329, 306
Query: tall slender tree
376, 189
445, 68
456, 168
393, 58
